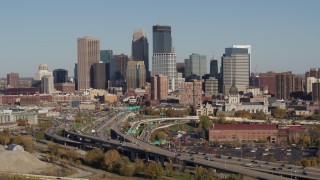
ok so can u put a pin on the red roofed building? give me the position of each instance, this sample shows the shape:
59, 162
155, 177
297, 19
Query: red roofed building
291, 134
243, 132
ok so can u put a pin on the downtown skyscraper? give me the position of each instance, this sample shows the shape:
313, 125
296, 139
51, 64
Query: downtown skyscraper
140, 49
88, 54
235, 66
163, 58
195, 65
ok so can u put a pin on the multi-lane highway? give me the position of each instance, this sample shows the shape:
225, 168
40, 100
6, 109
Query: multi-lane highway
131, 143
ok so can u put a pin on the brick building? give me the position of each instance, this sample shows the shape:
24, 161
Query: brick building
243, 132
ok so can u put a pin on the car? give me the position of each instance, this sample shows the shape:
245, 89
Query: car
304, 172
283, 165
207, 158
218, 156
274, 169
266, 162
280, 168
229, 157
289, 167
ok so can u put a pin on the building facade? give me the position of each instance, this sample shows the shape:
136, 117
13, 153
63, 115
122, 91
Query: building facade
159, 87
195, 65
140, 49
243, 132
136, 75
235, 65
118, 68
88, 54
316, 91
162, 40
13, 80
211, 86
285, 85
190, 92
165, 64
106, 55
60, 76
214, 68
47, 86
100, 75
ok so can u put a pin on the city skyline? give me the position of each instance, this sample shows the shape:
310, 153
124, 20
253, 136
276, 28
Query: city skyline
45, 32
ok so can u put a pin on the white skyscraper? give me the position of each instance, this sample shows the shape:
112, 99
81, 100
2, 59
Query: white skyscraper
249, 52
165, 64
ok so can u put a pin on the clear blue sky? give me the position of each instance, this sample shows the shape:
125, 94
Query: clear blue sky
284, 35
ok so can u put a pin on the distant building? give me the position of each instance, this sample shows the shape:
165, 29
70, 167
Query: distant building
65, 87
88, 54
243, 132
180, 68
136, 74
165, 64
235, 65
42, 71
106, 55
214, 68
60, 76
159, 87
13, 80
47, 86
100, 74
205, 109
162, 40
285, 85
195, 65
267, 81
316, 91
211, 86
190, 92
140, 49
118, 68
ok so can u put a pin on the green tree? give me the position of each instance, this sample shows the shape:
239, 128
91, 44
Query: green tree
170, 170
243, 114
153, 170
4, 139
205, 122
204, 174
279, 113
94, 157
138, 165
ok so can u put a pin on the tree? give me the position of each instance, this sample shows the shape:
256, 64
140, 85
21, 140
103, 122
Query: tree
4, 139
153, 170
205, 122
72, 154
94, 157
22, 121
53, 147
138, 164
243, 114
259, 116
170, 170
204, 174
111, 157
279, 113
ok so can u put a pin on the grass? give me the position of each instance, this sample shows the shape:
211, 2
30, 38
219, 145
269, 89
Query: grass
183, 127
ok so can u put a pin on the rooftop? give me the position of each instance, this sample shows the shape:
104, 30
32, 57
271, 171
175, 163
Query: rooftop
245, 127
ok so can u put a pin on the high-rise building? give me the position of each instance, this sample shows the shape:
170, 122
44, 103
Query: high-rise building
75, 71
249, 52
267, 81
162, 41
309, 83
88, 54
60, 76
47, 86
180, 68
165, 64
159, 87
211, 86
136, 75
100, 75
140, 49
316, 91
214, 67
106, 55
195, 65
190, 92
42, 71
13, 80
118, 68
235, 65
285, 85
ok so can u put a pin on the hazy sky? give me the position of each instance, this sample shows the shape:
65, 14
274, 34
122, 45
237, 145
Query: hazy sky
284, 35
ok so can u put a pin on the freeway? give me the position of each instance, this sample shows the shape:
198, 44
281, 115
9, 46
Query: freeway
134, 144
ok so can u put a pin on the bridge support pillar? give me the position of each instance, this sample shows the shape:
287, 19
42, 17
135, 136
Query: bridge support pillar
156, 158
147, 156
133, 155
162, 160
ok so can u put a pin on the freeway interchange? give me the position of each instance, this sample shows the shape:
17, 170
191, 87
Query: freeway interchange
105, 133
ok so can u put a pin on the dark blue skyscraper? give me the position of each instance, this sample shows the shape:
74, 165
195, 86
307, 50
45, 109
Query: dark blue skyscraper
140, 49
162, 41
60, 76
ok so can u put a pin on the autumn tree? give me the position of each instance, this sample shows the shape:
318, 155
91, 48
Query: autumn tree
243, 114
138, 165
279, 113
204, 173
111, 157
22, 122
205, 122
94, 157
153, 170
259, 116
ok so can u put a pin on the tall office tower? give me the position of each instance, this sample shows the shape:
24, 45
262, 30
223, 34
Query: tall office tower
75, 72
88, 54
100, 75
249, 52
190, 92
106, 55
180, 68
140, 49
309, 83
165, 64
136, 75
211, 86
298, 83
60, 76
13, 80
235, 66
118, 68
162, 41
285, 85
159, 87
214, 68
47, 86
195, 65
316, 91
